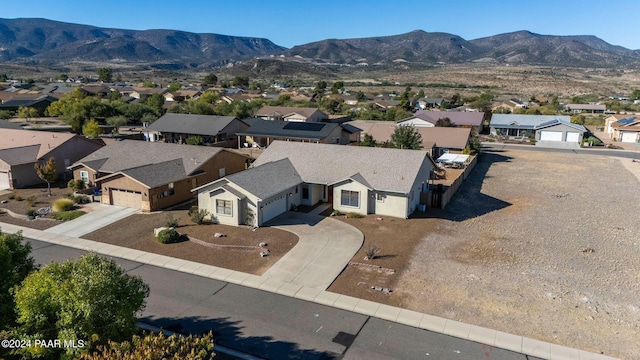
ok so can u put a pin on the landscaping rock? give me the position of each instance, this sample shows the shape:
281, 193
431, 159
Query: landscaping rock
219, 235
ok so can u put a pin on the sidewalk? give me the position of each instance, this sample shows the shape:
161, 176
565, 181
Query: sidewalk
457, 329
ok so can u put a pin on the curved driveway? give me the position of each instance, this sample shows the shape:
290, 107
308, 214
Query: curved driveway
325, 247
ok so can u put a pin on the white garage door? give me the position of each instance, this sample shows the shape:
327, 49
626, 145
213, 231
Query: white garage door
551, 136
573, 137
132, 199
628, 137
274, 208
4, 181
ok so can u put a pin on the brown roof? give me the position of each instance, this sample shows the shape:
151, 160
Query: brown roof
450, 137
13, 138
285, 110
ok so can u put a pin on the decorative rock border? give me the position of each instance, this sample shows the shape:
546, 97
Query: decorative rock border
229, 247
373, 267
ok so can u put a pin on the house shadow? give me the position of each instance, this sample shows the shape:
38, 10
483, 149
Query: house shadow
228, 333
469, 202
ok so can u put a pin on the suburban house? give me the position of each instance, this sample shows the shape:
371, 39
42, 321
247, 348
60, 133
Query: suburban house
151, 175
608, 123
435, 140
139, 92
429, 103
39, 102
586, 108
427, 118
176, 128
261, 133
21, 149
551, 128
356, 179
627, 129
297, 114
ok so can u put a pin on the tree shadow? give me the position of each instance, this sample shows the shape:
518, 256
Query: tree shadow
469, 202
228, 333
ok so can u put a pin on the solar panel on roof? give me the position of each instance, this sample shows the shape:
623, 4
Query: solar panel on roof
626, 121
304, 126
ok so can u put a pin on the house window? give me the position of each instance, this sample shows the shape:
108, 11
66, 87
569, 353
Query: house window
171, 190
305, 191
84, 176
223, 207
222, 172
350, 198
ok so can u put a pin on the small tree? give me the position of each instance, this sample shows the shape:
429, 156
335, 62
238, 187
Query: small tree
15, 264
195, 140
197, 215
371, 252
369, 141
91, 129
27, 112
116, 122
105, 74
406, 137
445, 122
210, 79
5, 114
47, 172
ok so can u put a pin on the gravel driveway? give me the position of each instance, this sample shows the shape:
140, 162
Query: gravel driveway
538, 244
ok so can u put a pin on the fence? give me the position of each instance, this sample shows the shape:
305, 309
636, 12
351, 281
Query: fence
440, 198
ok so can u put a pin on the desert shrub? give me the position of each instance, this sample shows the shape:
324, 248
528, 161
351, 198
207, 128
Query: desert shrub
76, 185
197, 215
12, 196
61, 205
371, 252
336, 213
68, 215
354, 215
81, 199
172, 222
31, 200
32, 212
168, 236
18, 198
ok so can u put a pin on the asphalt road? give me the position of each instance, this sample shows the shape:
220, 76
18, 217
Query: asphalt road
273, 326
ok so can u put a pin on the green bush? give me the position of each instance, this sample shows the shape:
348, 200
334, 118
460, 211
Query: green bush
81, 199
336, 213
12, 196
61, 205
197, 215
76, 185
168, 236
67, 215
354, 215
31, 199
171, 221
32, 212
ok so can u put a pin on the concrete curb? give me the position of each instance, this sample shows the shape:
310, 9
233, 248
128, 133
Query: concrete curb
519, 344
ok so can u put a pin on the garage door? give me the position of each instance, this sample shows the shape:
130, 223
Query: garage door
4, 181
551, 136
628, 137
573, 137
132, 199
274, 208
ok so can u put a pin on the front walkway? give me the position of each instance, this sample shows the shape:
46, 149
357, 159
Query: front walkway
97, 216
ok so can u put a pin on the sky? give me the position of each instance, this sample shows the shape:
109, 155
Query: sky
289, 23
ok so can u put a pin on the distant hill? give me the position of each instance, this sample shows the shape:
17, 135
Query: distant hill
45, 42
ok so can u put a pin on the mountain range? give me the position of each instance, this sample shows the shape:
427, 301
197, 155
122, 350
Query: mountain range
46, 42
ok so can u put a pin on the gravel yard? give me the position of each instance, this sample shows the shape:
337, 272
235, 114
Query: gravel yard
538, 244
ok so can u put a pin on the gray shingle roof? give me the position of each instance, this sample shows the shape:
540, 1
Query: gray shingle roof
383, 169
210, 125
150, 163
20, 155
292, 130
517, 121
267, 180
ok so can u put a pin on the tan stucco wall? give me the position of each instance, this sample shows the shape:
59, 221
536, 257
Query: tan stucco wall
392, 204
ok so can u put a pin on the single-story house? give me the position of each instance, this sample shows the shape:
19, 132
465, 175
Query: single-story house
21, 149
356, 179
586, 108
152, 175
262, 133
435, 140
176, 128
37, 101
544, 128
611, 119
297, 114
428, 118
627, 129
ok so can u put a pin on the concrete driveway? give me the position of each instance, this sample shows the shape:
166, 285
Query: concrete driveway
97, 216
325, 247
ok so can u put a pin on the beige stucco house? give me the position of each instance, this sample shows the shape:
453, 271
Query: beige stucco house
21, 149
353, 179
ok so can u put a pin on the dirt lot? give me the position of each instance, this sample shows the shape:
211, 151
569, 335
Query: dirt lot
537, 244
136, 232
